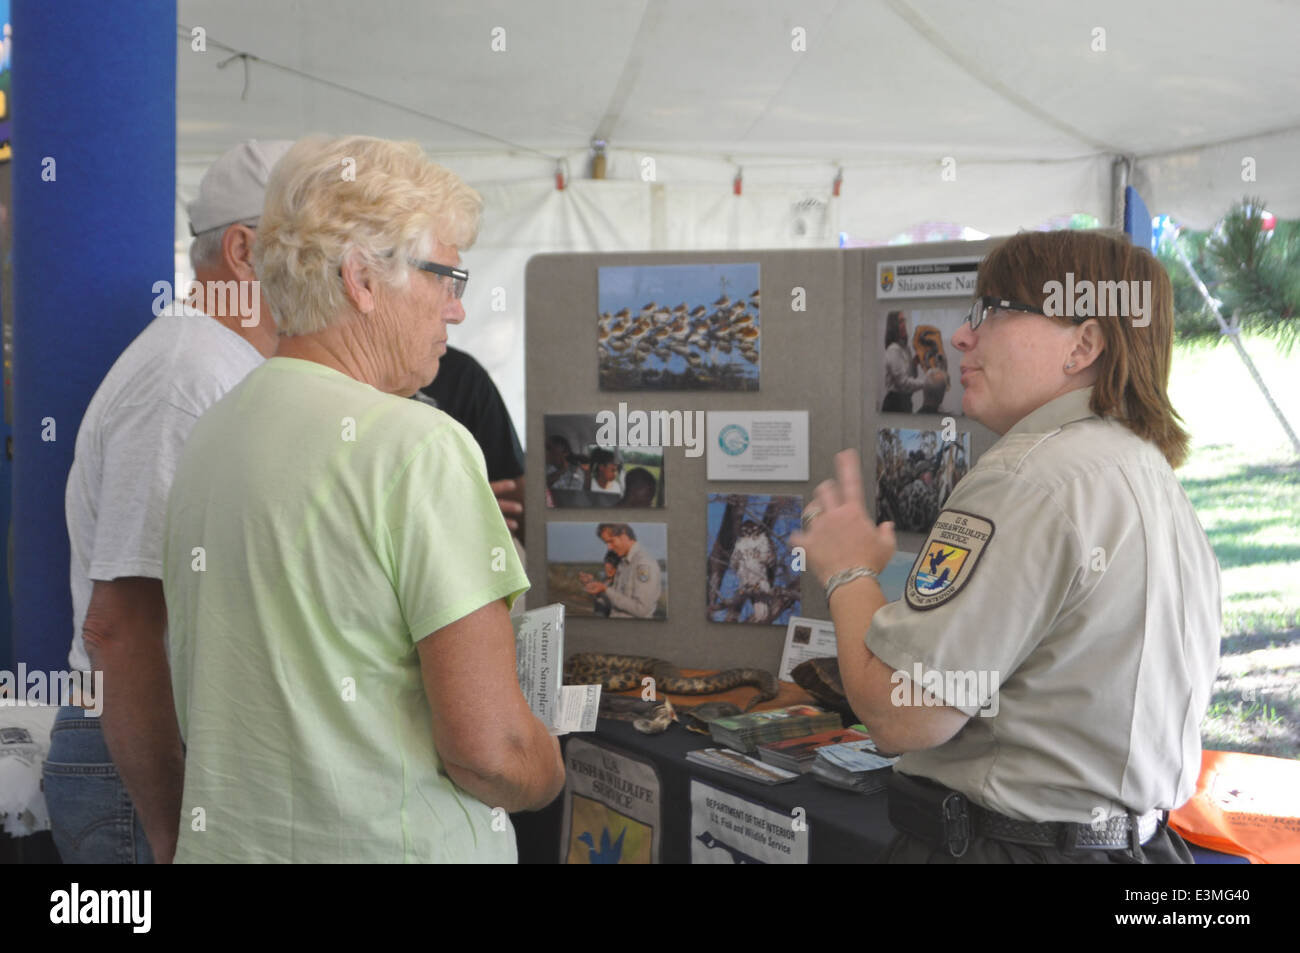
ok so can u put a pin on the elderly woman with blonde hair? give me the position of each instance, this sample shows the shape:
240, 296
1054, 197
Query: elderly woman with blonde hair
338, 574
1046, 671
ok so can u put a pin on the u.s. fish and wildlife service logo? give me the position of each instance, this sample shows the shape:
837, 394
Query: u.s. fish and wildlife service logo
946, 563
940, 567
886, 279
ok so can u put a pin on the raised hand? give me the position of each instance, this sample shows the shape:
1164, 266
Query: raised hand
838, 533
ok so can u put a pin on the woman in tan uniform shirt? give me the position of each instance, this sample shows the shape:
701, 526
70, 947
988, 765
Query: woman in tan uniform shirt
1046, 672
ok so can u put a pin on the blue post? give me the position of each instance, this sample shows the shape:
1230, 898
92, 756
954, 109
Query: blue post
1137, 220
94, 172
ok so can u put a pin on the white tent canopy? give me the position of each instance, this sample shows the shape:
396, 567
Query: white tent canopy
997, 116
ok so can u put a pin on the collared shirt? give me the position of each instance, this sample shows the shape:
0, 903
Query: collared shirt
1069, 591
635, 590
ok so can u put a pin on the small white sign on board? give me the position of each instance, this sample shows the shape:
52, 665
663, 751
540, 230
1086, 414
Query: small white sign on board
927, 278
806, 639
757, 445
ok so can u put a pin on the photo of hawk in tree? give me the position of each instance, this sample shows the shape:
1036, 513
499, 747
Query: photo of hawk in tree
752, 576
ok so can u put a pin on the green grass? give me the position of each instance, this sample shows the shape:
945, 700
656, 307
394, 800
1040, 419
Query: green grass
1244, 480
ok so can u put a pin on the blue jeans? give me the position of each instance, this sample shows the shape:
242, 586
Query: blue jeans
93, 819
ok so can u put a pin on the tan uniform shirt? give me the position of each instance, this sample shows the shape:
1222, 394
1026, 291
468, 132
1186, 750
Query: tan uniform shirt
634, 592
1068, 589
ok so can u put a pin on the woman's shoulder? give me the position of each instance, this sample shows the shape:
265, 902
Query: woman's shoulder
1080, 450
410, 432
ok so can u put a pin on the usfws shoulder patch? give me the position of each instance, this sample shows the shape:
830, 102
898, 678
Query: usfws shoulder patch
948, 559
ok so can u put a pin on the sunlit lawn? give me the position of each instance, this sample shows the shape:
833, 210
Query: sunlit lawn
1243, 479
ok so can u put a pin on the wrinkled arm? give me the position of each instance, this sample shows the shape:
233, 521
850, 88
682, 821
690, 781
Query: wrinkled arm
490, 742
125, 634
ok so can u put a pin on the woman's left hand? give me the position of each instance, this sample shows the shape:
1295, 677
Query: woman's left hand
838, 534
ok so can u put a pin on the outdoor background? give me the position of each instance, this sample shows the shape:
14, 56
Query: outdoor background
1243, 480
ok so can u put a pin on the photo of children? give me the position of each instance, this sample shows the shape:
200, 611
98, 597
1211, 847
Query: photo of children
582, 473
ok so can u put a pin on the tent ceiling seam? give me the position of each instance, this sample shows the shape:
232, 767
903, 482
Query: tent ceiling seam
183, 36
785, 83
631, 72
922, 26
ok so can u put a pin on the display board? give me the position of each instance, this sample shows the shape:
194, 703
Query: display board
787, 348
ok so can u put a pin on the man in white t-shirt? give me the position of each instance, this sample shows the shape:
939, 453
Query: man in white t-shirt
113, 783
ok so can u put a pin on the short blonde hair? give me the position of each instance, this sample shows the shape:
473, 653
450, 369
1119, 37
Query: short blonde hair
1133, 369
377, 200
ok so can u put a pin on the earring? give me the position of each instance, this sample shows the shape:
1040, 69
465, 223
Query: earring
1069, 366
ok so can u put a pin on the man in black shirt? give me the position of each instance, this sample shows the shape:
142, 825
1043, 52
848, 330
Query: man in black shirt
464, 391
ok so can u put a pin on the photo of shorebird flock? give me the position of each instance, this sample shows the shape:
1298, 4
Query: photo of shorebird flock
679, 327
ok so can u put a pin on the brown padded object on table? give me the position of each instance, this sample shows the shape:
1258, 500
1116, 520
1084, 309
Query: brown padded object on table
788, 693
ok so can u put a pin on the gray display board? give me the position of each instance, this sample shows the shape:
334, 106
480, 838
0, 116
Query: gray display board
825, 359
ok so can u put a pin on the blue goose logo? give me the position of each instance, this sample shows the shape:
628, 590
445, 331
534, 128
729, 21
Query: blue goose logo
734, 440
610, 851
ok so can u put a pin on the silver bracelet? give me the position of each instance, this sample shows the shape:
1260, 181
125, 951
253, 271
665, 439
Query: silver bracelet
848, 575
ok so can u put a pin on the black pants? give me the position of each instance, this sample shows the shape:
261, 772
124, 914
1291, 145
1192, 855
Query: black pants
896, 402
1164, 847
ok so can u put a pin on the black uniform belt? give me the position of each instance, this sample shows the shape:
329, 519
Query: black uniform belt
1115, 834
949, 821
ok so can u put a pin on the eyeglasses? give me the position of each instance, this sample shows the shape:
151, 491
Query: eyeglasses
980, 308
459, 277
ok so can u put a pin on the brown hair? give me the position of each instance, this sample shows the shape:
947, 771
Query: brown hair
1133, 369
892, 332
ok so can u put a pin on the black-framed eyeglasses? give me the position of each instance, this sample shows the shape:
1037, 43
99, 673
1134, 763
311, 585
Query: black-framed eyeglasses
980, 308
459, 276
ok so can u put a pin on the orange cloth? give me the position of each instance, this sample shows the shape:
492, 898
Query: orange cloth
1245, 804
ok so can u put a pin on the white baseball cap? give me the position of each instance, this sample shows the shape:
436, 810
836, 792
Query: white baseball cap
234, 187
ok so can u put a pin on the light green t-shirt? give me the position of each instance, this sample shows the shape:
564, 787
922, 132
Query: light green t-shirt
335, 526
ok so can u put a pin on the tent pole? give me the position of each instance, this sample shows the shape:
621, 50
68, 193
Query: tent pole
1119, 175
